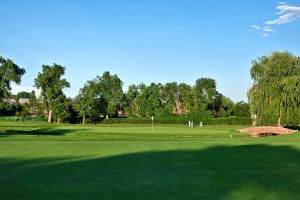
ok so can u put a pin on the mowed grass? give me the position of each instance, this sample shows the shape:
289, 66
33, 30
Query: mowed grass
41, 161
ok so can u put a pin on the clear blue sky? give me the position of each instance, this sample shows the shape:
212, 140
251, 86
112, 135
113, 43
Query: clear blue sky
148, 40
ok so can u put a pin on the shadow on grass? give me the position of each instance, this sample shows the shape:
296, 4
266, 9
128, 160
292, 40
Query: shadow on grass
293, 127
41, 131
222, 172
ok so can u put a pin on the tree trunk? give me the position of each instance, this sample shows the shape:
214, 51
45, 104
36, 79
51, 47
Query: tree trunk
58, 120
83, 119
49, 116
279, 117
279, 120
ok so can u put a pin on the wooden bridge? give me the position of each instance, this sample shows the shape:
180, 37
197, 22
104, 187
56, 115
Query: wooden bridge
266, 130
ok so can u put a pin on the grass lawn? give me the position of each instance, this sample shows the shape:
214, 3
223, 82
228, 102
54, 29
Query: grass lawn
41, 161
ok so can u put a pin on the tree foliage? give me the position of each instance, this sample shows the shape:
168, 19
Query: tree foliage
242, 109
101, 96
51, 84
274, 96
9, 72
109, 90
86, 103
23, 94
202, 100
204, 94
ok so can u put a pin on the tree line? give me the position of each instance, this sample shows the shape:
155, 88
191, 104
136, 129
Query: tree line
104, 96
274, 95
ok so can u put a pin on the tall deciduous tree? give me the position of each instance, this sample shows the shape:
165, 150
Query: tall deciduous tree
177, 98
109, 88
204, 94
171, 98
103, 95
51, 84
131, 107
153, 103
60, 108
274, 96
140, 102
85, 102
9, 72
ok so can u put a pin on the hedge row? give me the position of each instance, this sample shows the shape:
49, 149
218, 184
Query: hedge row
16, 118
181, 120
157, 120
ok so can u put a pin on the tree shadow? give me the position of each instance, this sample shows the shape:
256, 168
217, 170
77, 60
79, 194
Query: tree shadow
293, 127
221, 172
40, 131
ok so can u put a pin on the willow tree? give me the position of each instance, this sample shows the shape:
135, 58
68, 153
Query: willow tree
51, 84
274, 96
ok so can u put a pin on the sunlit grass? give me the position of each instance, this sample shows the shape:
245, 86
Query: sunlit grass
42, 161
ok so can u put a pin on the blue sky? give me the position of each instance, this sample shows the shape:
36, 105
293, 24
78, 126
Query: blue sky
148, 40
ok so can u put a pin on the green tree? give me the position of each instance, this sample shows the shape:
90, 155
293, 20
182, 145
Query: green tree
274, 96
227, 107
146, 100
9, 72
24, 94
60, 107
36, 105
8, 109
101, 96
171, 98
177, 98
186, 96
242, 109
24, 110
110, 90
51, 84
131, 107
204, 95
153, 103
140, 104
85, 101
217, 105
158, 99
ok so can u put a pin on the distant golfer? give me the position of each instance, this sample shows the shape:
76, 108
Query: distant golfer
201, 124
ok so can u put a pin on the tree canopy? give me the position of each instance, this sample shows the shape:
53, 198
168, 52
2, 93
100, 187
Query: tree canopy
104, 96
51, 84
204, 94
101, 96
9, 72
274, 96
